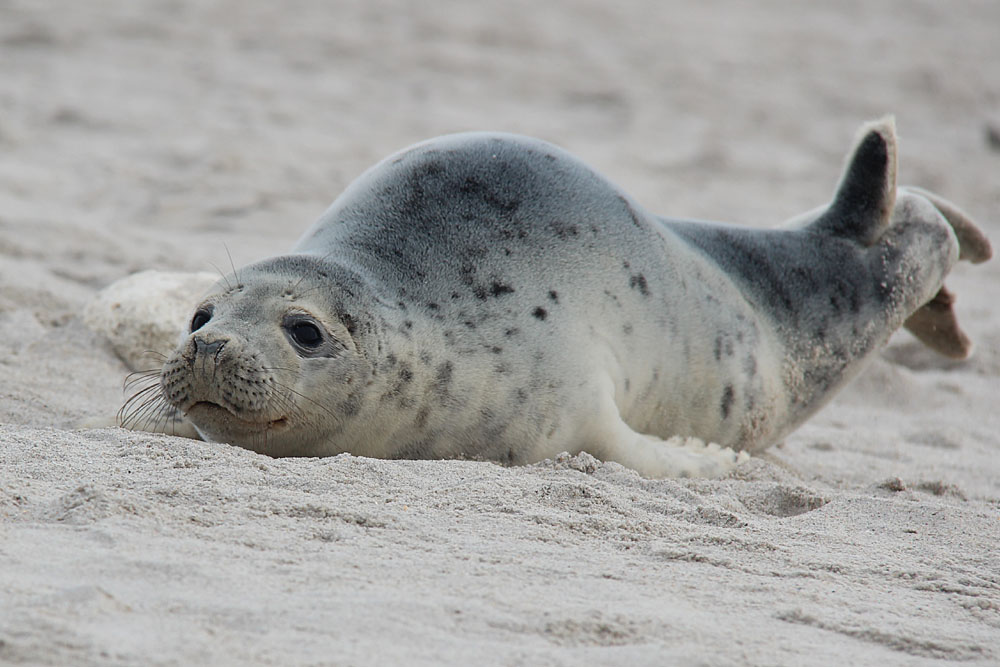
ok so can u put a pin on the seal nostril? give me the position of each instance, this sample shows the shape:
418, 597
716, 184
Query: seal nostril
208, 349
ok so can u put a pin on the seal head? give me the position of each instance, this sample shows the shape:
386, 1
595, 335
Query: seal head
260, 345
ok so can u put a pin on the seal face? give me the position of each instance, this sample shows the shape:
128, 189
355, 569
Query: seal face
490, 296
257, 350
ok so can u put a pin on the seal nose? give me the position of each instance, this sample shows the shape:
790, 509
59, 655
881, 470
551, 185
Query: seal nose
205, 349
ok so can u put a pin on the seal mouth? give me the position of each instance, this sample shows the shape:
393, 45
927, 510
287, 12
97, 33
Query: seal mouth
221, 414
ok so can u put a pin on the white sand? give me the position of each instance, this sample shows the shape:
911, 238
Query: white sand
141, 134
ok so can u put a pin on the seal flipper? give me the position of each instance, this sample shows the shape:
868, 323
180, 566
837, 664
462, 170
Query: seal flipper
676, 456
866, 203
973, 246
935, 324
609, 438
867, 191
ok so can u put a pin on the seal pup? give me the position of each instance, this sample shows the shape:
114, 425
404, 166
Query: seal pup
490, 296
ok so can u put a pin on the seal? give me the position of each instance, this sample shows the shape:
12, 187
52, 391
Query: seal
489, 296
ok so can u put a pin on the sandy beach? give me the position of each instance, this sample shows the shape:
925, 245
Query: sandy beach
181, 135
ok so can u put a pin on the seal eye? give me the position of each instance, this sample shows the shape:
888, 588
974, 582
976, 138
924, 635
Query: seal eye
306, 334
201, 318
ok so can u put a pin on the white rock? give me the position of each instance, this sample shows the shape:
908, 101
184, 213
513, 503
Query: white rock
145, 314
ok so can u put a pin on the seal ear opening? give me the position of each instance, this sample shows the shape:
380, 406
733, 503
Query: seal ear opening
866, 194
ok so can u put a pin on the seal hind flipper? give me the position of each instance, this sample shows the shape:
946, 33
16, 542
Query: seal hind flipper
936, 326
972, 243
866, 193
865, 204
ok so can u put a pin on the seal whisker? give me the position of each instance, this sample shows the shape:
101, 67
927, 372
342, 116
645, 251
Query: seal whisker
305, 398
280, 401
293, 412
138, 397
140, 407
147, 413
236, 272
146, 408
223, 276
140, 376
277, 368
156, 415
306, 292
323, 259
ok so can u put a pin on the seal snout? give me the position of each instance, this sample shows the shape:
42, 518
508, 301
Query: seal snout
216, 376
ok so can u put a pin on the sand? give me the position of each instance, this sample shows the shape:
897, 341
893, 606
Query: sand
172, 135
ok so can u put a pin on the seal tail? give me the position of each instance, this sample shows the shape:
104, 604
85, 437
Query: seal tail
866, 194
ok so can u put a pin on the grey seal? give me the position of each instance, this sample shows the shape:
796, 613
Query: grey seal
489, 296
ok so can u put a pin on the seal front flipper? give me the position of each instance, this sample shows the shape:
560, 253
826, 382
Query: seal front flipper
609, 438
677, 456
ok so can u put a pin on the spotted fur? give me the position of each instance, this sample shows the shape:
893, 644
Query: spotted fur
489, 296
